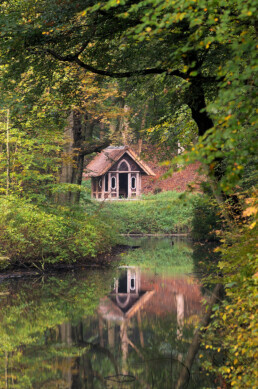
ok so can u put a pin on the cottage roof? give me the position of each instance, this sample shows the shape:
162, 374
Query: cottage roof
109, 156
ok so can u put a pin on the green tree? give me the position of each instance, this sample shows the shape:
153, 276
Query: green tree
208, 48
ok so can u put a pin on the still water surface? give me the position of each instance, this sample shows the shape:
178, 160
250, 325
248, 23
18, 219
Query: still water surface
125, 327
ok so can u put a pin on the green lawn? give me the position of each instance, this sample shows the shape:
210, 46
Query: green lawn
166, 212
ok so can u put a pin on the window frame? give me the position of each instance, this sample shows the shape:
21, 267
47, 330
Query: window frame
133, 178
113, 187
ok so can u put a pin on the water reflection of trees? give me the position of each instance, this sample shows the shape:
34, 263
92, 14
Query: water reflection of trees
75, 332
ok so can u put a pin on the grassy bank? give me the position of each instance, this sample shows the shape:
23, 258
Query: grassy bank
166, 212
161, 256
32, 234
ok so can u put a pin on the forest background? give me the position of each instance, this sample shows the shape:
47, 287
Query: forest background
77, 76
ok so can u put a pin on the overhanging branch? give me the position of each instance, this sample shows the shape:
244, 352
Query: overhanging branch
74, 58
144, 72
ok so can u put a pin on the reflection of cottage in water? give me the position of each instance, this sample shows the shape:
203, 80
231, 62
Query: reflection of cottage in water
133, 291
131, 296
127, 296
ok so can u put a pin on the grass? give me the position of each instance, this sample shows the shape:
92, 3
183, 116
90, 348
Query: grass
166, 212
161, 257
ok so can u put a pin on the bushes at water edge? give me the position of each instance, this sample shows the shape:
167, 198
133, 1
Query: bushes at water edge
30, 233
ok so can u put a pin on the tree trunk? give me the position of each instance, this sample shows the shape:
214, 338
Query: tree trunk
196, 102
78, 144
72, 166
194, 347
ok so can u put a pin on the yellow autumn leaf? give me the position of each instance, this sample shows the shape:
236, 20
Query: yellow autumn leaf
252, 225
250, 211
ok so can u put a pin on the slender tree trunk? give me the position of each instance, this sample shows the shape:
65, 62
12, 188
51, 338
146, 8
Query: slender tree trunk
143, 123
7, 153
71, 158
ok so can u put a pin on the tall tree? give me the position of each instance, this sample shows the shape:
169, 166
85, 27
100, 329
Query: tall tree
42, 140
206, 47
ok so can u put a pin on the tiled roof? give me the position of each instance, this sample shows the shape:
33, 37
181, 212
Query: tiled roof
106, 159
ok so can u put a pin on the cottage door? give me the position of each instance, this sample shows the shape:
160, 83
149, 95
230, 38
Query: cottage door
123, 185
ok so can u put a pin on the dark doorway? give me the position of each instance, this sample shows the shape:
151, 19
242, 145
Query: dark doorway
123, 185
122, 283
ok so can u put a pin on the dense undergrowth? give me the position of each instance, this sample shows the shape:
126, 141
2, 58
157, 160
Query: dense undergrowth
50, 233
41, 235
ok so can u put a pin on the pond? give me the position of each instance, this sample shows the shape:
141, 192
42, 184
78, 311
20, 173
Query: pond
126, 327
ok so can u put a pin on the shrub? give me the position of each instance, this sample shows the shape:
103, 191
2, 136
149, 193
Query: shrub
29, 233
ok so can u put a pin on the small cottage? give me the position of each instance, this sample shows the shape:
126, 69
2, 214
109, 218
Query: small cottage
116, 173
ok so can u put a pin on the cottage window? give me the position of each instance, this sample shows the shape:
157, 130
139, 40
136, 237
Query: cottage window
133, 183
123, 166
132, 286
100, 183
113, 183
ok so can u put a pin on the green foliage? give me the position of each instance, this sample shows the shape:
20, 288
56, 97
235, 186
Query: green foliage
174, 129
34, 161
35, 315
166, 212
206, 219
213, 45
34, 234
233, 331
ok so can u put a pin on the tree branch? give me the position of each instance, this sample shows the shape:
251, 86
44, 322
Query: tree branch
143, 72
70, 57
96, 147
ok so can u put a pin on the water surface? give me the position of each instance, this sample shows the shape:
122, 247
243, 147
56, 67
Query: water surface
126, 327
